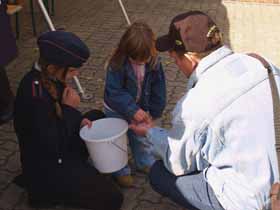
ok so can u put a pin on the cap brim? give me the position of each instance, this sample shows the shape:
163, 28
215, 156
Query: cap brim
163, 43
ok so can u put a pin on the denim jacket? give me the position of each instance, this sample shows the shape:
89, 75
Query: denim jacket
224, 127
121, 90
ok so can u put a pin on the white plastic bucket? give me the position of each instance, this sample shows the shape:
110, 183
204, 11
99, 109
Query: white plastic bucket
106, 142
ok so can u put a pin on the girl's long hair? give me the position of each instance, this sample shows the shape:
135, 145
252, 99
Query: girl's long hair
50, 86
138, 43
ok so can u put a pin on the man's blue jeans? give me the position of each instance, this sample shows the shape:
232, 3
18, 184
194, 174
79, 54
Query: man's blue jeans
190, 191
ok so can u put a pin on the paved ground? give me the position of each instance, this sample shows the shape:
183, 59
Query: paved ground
248, 27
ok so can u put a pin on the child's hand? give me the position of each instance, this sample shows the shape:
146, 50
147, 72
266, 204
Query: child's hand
85, 122
141, 116
141, 129
70, 97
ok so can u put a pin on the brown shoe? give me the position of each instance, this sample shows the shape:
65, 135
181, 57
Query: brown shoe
144, 170
125, 181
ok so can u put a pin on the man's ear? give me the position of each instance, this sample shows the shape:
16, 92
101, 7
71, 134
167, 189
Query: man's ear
188, 56
193, 59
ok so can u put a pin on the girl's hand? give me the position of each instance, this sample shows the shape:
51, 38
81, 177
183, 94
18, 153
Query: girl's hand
70, 97
85, 122
141, 116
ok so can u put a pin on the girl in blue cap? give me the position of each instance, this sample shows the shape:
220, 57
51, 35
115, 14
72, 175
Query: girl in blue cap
55, 169
135, 90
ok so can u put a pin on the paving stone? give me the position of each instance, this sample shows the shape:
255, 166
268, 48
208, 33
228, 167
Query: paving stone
5, 153
144, 205
10, 197
2, 162
13, 163
5, 179
23, 203
131, 196
10, 146
149, 195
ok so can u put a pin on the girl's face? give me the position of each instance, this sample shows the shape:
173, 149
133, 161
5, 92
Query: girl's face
59, 72
139, 61
71, 73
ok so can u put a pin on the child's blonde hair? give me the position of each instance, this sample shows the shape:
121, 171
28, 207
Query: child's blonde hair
138, 43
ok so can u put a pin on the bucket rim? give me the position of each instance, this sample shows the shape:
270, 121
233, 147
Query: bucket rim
110, 139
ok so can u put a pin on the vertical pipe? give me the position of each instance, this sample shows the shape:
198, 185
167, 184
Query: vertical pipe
17, 25
33, 18
46, 15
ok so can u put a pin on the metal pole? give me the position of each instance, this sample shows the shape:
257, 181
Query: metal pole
52, 28
46, 15
124, 13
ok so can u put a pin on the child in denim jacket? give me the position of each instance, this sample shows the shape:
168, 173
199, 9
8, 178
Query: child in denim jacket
135, 90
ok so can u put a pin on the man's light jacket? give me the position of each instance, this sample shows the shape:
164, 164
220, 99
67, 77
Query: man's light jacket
224, 127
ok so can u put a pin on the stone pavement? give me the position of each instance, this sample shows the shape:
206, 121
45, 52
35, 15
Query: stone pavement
248, 27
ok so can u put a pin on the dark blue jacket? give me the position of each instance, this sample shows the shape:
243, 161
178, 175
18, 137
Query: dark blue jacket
43, 138
121, 90
54, 158
8, 48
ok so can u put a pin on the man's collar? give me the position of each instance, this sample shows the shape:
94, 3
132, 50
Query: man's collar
211, 59
192, 80
206, 63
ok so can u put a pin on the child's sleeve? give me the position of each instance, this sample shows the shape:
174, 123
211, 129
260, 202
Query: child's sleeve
158, 93
116, 96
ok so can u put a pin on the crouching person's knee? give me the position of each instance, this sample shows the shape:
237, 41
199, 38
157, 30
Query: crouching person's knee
155, 174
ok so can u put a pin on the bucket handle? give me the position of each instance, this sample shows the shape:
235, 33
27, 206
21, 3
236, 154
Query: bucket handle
125, 151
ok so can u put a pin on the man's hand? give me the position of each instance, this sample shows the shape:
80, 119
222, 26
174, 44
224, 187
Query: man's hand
141, 129
70, 97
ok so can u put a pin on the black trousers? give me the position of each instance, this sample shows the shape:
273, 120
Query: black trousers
77, 185
6, 96
87, 188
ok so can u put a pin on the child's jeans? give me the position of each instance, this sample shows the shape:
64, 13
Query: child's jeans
141, 153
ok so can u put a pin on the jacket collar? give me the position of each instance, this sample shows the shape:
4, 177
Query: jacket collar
207, 63
37, 67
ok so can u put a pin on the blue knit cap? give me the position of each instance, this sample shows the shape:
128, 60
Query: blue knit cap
63, 48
